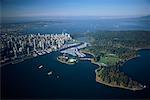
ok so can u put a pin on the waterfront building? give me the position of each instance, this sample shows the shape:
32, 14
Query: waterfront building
33, 44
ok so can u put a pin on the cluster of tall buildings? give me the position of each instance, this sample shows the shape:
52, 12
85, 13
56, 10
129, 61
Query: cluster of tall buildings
32, 44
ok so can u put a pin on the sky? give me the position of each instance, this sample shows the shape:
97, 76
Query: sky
116, 8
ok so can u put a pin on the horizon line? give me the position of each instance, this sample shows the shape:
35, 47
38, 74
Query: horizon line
76, 16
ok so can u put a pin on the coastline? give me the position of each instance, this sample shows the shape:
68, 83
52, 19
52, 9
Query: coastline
116, 86
111, 85
92, 61
17, 61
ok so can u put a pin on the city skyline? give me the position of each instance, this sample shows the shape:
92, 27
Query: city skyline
111, 8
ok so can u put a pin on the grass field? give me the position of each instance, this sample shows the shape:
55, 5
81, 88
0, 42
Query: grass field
109, 59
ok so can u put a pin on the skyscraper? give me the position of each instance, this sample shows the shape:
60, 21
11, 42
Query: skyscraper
28, 52
34, 45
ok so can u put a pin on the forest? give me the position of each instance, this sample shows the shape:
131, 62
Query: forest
112, 49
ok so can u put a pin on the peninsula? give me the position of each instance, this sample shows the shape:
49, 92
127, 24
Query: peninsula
110, 50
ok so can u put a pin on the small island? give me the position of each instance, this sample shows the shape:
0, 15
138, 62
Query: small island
67, 60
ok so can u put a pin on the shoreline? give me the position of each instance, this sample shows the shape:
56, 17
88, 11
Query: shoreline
111, 85
92, 61
116, 86
17, 61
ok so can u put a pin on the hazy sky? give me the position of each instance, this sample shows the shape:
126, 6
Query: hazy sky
29, 8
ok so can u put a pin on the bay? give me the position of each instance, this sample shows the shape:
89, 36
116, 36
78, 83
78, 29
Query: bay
26, 80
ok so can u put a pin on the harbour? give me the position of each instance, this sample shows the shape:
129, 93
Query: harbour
60, 79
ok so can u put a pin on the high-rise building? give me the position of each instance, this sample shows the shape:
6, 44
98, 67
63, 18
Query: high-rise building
43, 45
34, 45
28, 51
15, 53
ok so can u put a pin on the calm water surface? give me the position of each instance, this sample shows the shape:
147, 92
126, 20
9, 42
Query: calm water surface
91, 25
25, 80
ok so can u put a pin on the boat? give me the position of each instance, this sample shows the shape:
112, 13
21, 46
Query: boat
50, 73
57, 76
40, 66
40, 53
35, 55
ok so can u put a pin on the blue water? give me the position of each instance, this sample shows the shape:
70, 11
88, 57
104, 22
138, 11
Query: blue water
25, 80
92, 25
139, 67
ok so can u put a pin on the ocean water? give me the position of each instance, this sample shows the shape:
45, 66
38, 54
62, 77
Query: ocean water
25, 80
139, 67
91, 25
